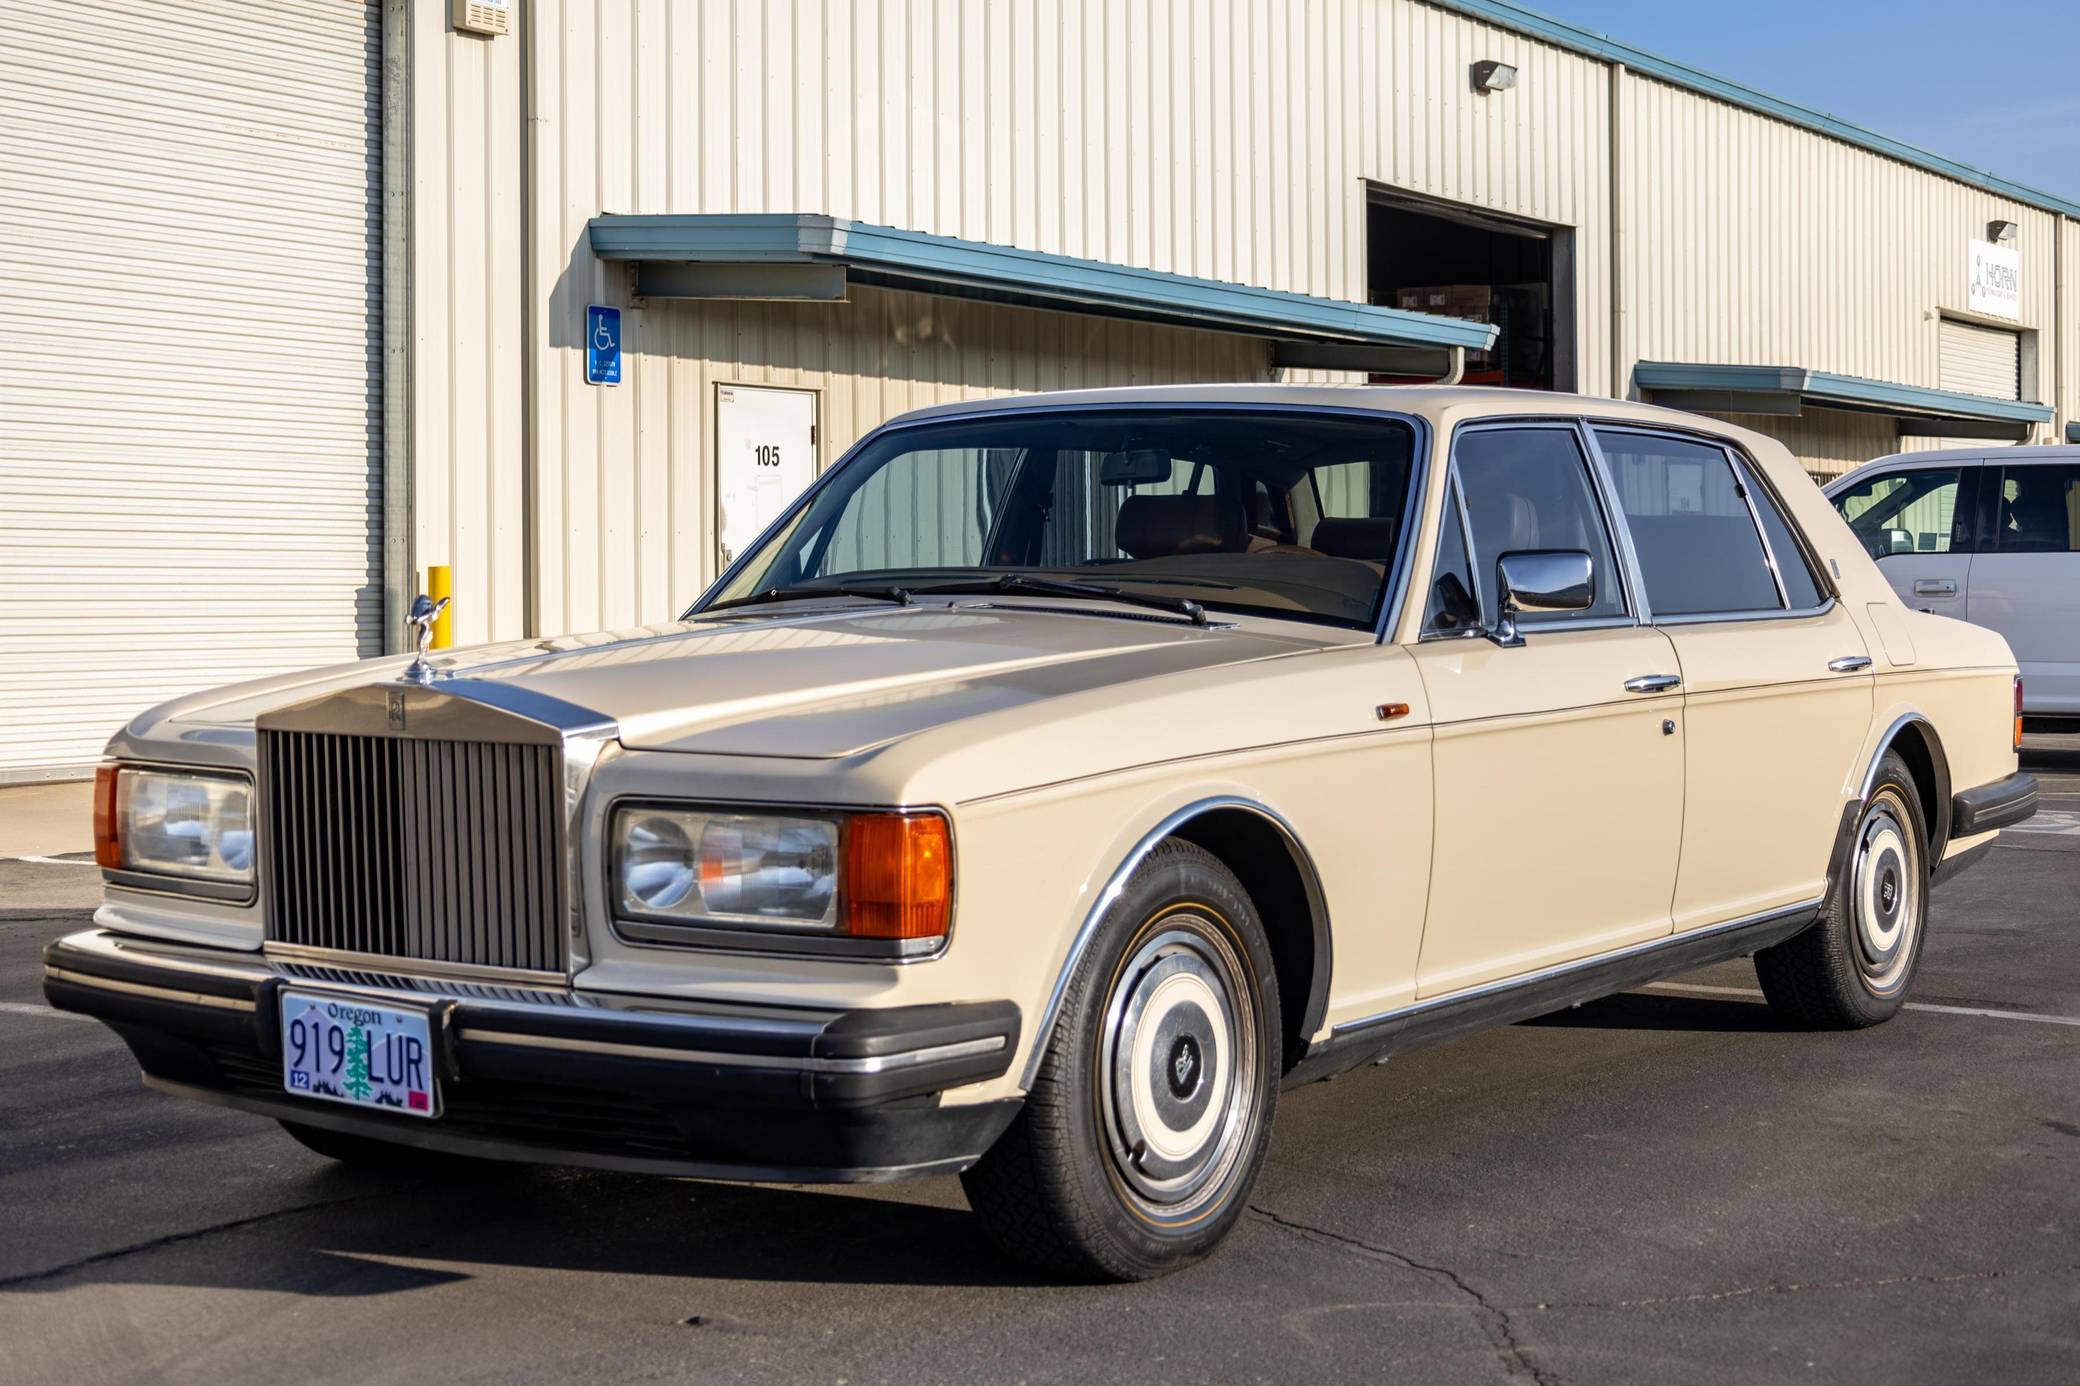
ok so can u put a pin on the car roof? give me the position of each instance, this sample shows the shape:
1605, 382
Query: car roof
1998, 452
1437, 403
2004, 453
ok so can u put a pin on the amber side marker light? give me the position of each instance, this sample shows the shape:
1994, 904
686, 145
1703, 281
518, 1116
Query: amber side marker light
898, 881
2018, 712
108, 845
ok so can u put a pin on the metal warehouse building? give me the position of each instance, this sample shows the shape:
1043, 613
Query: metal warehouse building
300, 298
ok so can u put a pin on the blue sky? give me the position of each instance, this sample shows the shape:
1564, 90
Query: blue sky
1994, 83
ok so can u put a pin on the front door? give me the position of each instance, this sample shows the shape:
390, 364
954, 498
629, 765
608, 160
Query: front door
1777, 682
1559, 789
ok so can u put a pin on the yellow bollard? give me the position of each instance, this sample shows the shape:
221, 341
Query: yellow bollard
443, 624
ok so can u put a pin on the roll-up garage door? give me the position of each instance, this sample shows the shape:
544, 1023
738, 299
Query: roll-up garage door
191, 302
1981, 360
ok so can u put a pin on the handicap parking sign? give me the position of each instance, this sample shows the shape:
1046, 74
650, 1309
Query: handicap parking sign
602, 345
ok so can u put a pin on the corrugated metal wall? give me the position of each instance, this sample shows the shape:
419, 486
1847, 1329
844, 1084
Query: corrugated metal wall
2067, 343
467, 344
1228, 138
629, 528
1829, 442
1754, 242
190, 385
1065, 128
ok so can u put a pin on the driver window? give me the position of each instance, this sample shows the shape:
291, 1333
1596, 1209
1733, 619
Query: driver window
1529, 488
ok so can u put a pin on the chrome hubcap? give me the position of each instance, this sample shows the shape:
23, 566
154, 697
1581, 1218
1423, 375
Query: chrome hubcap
1887, 894
1178, 1067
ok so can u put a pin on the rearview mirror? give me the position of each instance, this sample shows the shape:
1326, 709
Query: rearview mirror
1140, 467
1538, 581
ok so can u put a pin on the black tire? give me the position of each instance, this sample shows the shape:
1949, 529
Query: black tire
388, 1157
1853, 968
1147, 1123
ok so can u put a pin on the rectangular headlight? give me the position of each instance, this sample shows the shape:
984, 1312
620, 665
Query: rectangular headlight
193, 824
849, 875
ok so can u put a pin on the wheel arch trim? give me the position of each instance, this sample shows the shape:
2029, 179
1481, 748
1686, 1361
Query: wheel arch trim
1939, 792
1116, 883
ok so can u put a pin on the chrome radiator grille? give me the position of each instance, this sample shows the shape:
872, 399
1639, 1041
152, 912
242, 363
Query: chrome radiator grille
447, 851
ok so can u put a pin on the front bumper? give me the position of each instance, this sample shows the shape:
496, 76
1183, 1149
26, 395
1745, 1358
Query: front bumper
558, 1076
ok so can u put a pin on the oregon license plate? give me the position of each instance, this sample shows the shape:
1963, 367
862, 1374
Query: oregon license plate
347, 1050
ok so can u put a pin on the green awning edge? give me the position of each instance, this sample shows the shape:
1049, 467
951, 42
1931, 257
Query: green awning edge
1828, 390
895, 258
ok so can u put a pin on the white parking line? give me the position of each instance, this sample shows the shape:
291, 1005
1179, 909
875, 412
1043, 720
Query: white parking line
2050, 821
1911, 1005
40, 1012
54, 861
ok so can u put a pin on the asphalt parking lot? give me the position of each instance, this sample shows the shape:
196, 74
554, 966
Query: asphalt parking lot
1664, 1185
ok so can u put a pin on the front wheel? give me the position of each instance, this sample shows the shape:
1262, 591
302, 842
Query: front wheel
1144, 1130
1853, 967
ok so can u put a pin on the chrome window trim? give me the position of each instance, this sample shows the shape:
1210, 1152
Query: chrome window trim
1455, 502
1395, 594
1116, 883
1634, 595
1747, 476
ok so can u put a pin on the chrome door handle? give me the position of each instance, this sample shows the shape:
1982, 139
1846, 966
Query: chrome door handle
1848, 664
1653, 683
1935, 587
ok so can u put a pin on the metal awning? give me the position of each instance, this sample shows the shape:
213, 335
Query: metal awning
805, 256
1793, 390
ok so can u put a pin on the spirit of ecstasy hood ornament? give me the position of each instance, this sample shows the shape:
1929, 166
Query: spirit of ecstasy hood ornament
425, 611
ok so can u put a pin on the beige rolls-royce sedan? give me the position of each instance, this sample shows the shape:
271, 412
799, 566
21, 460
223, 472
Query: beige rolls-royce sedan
1057, 780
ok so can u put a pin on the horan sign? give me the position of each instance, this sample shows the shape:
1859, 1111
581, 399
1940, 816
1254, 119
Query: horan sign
1995, 283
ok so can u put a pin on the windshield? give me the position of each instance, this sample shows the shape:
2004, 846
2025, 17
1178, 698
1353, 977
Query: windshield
1273, 512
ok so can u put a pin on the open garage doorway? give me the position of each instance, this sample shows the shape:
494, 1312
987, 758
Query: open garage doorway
1439, 257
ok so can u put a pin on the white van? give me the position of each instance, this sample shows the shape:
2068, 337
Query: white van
1991, 536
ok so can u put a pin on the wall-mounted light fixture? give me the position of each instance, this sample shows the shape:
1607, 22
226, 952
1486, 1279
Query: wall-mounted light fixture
1490, 75
2001, 232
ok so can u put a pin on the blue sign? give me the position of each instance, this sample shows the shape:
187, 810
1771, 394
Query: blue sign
602, 345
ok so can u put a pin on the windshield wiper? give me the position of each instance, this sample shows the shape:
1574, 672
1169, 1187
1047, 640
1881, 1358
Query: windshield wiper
901, 596
1059, 587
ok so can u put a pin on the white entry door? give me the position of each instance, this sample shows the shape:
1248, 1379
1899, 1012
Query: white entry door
765, 456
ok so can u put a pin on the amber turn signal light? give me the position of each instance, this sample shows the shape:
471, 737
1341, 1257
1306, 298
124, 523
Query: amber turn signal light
898, 881
108, 845
2018, 712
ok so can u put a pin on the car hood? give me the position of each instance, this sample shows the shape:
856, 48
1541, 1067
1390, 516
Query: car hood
828, 682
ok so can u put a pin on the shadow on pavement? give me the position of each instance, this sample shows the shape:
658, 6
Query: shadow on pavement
344, 1234
1649, 1011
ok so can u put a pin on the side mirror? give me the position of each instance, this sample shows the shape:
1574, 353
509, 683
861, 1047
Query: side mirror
1537, 581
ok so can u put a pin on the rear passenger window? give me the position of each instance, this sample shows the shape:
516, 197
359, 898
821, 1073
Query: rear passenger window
1529, 488
1699, 552
1801, 588
2038, 510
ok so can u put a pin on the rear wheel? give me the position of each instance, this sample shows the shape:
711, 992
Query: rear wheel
1144, 1130
1853, 967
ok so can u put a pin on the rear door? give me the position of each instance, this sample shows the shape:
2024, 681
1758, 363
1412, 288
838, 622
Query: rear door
1776, 677
1917, 523
2025, 583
